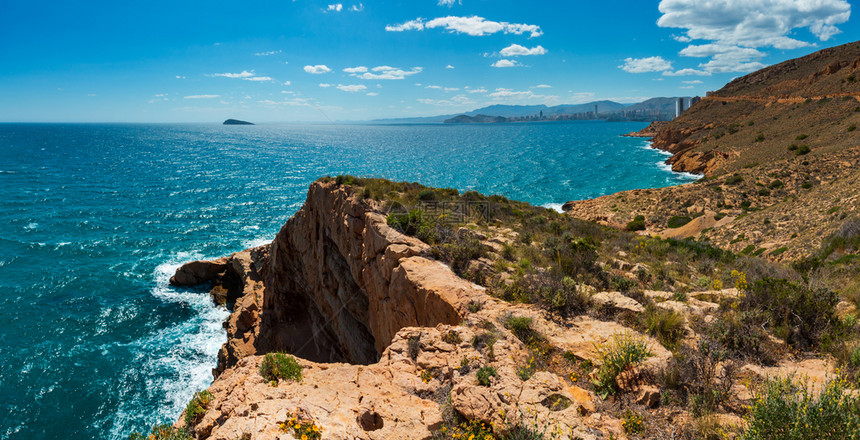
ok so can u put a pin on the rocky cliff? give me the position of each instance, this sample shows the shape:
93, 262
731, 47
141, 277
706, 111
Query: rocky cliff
384, 336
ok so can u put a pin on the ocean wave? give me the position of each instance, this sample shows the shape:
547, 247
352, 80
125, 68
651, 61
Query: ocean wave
175, 361
554, 206
678, 174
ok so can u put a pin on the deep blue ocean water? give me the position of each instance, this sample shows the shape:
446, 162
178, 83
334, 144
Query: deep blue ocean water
95, 218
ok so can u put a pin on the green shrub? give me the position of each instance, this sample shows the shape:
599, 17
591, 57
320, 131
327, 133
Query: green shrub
738, 332
412, 223
760, 137
197, 407
852, 127
734, 179
784, 408
162, 432
485, 373
775, 184
277, 366
427, 195
633, 422
778, 251
763, 192
623, 351
802, 313
664, 325
678, 221
806, 185
801, 150
792, 147
413, 346
801, 137
635, 225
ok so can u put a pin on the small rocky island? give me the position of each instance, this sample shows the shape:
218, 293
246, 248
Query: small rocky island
237, 122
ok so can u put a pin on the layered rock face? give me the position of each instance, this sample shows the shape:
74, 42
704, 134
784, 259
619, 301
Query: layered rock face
385, 337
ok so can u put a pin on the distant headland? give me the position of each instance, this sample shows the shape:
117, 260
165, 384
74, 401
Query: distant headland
237, 122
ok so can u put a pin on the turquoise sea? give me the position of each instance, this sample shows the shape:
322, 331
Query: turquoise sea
95, 218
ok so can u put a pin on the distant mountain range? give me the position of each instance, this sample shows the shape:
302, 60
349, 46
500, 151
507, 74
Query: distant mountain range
651, 109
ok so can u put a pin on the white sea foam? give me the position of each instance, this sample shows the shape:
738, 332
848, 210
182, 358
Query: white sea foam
681, 174
256, 242
554, 206
175, 361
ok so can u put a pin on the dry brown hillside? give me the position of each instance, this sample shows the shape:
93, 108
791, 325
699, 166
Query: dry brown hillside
780, 154
755, 119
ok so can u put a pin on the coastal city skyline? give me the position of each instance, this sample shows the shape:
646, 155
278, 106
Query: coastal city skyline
330, 61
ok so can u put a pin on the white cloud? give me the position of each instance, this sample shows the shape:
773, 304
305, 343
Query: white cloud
318, 69
643, 65
478, 90
737, 28
357, 8
352, 87
454, 101
337, 7
451, 89
160, 95
508, 95
686, 72
449, 3
685, 87
324, 85
474, 26
286, 83
387, 72
202, 96
506, 63
695, 81
258, 78
542, 86
292, 102
242, 74
449, 67
265, 54
180, 77
433, 87
359, 69
372, 94
517, 50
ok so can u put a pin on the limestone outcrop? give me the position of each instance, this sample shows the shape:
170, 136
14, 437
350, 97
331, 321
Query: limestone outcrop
390, 341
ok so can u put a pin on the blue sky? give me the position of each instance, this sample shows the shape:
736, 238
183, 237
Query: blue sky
304, 60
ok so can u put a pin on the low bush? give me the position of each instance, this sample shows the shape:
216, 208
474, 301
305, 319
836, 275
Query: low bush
484, 374
734, 179
196, 407
521, 327
784, 408
664, 325
162, 432
637, 224
623, 351
412, 223
678, 221
301, 427
801, 150
277, 366
800, 314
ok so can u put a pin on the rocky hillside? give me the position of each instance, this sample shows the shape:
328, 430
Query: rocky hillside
756, 118
387, 310
779, 151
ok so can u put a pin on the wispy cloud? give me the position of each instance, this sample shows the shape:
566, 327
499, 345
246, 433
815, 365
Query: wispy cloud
337, 7
449, 67
478, 90
382, 72
352, 87
325, 85
644, 65
475, 26
372, 94
515, 50
449, 3
695, 81
357, 69
542, 86
269, 53
258, 78
202, 96
357, 8
318, 69
506, 63
242, 74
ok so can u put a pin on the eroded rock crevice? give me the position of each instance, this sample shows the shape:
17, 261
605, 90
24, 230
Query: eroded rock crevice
335, 285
